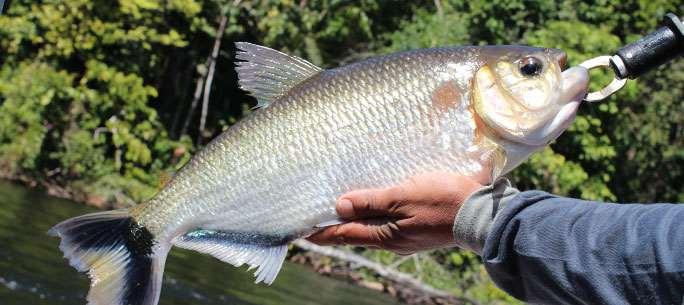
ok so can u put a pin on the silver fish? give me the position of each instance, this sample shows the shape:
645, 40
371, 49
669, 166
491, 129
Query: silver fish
274, 176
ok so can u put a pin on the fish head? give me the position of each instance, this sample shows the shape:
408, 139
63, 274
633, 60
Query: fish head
523, 95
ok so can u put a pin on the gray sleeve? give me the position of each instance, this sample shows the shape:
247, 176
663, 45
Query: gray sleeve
477, 213
545, 249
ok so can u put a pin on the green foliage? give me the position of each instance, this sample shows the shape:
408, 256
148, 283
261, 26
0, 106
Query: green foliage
28, 91
69, 113
94, 94
430, 29
318, 29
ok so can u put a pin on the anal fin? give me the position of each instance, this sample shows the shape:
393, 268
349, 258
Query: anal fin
266, 253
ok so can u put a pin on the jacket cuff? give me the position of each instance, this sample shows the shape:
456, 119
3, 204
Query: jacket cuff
477, 213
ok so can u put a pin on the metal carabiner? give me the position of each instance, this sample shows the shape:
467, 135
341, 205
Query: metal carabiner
635, 59
614, 86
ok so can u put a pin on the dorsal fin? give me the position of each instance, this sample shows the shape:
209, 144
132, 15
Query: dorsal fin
268, 74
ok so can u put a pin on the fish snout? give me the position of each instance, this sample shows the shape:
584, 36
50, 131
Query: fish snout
575, 83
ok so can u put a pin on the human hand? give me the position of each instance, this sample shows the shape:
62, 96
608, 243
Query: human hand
416, 215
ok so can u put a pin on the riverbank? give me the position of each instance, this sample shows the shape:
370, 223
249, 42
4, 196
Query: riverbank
56, 190
339, 264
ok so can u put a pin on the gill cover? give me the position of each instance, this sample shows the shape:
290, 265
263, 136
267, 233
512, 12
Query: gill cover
528, 106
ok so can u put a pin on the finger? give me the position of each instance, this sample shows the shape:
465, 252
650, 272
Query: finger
355, 233
368, 203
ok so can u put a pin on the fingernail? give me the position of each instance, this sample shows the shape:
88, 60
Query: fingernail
345, 208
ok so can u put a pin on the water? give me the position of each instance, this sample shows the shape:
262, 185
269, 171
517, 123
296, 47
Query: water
33, 271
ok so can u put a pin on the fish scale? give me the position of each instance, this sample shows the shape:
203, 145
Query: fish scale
309, 115
274, 176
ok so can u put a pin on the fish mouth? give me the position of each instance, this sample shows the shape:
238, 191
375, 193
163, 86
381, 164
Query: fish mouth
574, 86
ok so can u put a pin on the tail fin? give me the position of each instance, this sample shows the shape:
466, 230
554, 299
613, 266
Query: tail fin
122, 258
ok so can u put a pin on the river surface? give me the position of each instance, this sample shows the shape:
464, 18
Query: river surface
33, 271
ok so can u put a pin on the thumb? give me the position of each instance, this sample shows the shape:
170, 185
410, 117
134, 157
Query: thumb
367, 203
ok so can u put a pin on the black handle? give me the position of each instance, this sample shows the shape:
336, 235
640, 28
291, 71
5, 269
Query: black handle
651, 51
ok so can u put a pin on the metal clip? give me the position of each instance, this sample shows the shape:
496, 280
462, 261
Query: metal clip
614, 86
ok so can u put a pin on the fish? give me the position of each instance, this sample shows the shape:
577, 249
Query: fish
274, 176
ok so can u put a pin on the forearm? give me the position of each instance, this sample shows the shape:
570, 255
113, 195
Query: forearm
546, 249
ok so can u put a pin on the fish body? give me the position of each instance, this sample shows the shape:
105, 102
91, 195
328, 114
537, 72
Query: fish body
274, 176
369, 124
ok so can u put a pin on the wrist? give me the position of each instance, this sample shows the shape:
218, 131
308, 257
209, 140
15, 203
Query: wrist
477, 213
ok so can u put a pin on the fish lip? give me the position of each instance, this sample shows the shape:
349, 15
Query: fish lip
574, 87
574, 84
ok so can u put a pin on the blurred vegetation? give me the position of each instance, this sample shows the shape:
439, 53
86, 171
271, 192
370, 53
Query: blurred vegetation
101, 97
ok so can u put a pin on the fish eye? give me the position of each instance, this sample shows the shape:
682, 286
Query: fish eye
530, 66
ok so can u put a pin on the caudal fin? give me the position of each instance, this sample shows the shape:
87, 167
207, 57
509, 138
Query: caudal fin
123, 260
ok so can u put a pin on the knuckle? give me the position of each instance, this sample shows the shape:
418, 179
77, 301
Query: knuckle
363, 205
397, 197
385, 233
372, 200
393, 206
338, 235
388, 234
375, 201
381, 237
